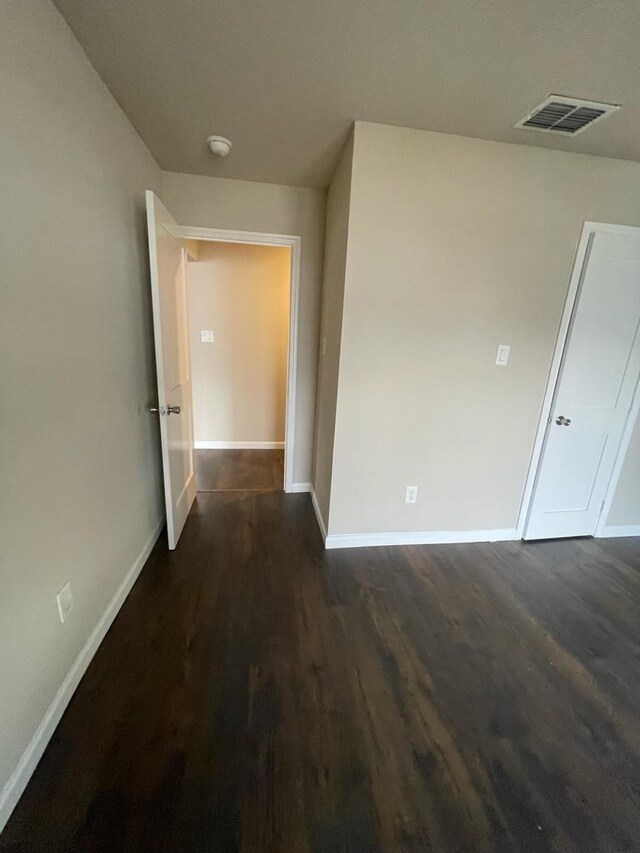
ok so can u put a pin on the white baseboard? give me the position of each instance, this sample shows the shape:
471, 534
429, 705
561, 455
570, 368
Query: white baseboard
299, 487
18, 780
321, 524
238, 445
616, 530
425, 537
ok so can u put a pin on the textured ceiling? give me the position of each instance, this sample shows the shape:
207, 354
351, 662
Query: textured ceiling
285, 78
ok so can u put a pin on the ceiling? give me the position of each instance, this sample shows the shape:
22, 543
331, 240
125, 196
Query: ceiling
284, 79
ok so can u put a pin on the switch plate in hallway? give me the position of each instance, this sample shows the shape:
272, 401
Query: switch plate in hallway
502, 358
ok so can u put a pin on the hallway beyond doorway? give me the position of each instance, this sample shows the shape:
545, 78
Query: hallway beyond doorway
234, 470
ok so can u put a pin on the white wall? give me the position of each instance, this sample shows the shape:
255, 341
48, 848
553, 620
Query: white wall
80, 492
455, 245
240, 293
335, 262
241, 205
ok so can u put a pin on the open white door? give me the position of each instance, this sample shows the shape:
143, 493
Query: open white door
170, 328
594, 393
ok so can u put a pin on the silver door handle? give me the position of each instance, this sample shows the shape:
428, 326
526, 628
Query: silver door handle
562, 421
170, 410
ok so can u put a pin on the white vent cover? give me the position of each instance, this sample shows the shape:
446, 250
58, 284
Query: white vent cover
569, 116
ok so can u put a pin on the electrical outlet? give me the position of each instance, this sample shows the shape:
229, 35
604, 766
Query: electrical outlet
411, 495
206, 336
65, 601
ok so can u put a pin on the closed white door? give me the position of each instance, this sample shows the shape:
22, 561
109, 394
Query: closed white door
595, 391
170, 327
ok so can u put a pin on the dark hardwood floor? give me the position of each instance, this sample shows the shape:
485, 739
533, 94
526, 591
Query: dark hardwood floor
228, 470
257, 694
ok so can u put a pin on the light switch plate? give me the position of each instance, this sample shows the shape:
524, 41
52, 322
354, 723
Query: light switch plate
206, 336
502, 358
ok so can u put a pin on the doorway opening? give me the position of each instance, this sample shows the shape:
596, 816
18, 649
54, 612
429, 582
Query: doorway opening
169, 247
238, 301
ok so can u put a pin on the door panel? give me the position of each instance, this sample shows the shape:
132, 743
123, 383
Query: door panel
595, 390
578, 456
606, 325
170, 326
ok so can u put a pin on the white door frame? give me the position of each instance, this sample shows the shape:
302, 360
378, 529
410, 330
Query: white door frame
258, 238
589, 230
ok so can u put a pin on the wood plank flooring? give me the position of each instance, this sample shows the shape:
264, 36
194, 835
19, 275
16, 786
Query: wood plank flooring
228, 470
257, 694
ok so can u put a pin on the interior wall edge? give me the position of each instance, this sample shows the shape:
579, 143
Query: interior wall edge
334, 269
320, 519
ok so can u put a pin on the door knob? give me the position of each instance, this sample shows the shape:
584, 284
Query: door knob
562, 421
170, 410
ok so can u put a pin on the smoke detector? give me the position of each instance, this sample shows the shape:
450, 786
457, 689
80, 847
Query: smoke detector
568, 116
219, 145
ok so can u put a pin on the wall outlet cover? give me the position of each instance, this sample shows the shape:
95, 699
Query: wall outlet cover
206, 336
411, 495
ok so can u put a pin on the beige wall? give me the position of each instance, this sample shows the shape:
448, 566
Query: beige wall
625, 509
241, 293
455, 246
246, 206
80, 493
335, 261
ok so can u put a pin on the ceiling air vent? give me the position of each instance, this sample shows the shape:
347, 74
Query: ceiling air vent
570, 116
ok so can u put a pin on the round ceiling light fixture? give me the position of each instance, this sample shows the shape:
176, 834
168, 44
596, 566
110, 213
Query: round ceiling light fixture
219, 145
